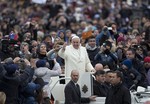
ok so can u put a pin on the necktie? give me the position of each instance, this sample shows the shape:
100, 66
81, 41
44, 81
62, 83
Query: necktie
77, 86
78, 89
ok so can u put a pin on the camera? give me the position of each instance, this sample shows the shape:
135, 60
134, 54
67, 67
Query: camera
22, 64
9, 45
134, 46
21, 60
21, 55
104, 45
51, 63
109, 28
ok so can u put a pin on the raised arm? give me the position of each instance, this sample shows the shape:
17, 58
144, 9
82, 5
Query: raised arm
61, 52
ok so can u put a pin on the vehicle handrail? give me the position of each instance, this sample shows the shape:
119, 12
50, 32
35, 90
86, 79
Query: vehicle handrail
66, 78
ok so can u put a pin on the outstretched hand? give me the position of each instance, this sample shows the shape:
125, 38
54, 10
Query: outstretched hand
93, 71
92, 98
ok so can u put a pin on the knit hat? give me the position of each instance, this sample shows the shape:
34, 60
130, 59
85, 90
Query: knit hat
68, 30
127, 63
11, 68
40, 81
41, 63
30, 89
147, 59
119, 39
9, 60
59, 32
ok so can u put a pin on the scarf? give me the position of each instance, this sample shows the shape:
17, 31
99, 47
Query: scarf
90, 48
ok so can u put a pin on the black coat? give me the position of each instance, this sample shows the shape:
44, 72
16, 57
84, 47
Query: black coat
100, 89
91, 54
129, 76
137, 65
10, 84
73, 95
118, 94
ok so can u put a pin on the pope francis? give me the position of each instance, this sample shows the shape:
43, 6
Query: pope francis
75, 57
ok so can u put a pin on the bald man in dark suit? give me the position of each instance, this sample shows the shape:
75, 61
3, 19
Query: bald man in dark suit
72, 91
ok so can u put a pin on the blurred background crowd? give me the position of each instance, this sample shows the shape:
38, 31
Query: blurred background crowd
24, 20
31, 30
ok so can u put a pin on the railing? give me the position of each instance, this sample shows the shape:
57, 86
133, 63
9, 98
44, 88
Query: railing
65, 78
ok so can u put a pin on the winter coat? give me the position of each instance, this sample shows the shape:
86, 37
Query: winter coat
46, 74
118, 94
10, 84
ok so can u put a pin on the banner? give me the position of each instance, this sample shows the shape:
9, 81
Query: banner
39, 1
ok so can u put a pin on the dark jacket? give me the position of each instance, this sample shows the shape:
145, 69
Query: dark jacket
118, 94
130, 76
91, 54
10, 83
137, 65
100, 89
109, 59
73, 95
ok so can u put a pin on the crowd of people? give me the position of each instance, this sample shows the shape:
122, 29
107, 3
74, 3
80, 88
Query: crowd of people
39, 41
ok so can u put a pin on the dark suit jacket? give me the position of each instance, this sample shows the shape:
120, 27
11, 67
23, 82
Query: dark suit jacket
100, 89
73, 94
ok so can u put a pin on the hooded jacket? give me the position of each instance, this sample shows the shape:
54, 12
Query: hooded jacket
46, 74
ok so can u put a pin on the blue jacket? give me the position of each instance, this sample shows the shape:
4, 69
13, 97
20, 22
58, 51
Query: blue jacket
99, 37
110, 59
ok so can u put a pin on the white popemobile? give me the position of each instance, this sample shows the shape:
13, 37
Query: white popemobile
138, 97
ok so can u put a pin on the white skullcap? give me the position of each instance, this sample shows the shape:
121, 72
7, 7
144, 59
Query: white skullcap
72, 35
75, 37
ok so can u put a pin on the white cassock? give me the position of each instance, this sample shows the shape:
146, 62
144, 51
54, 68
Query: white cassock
75, 59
